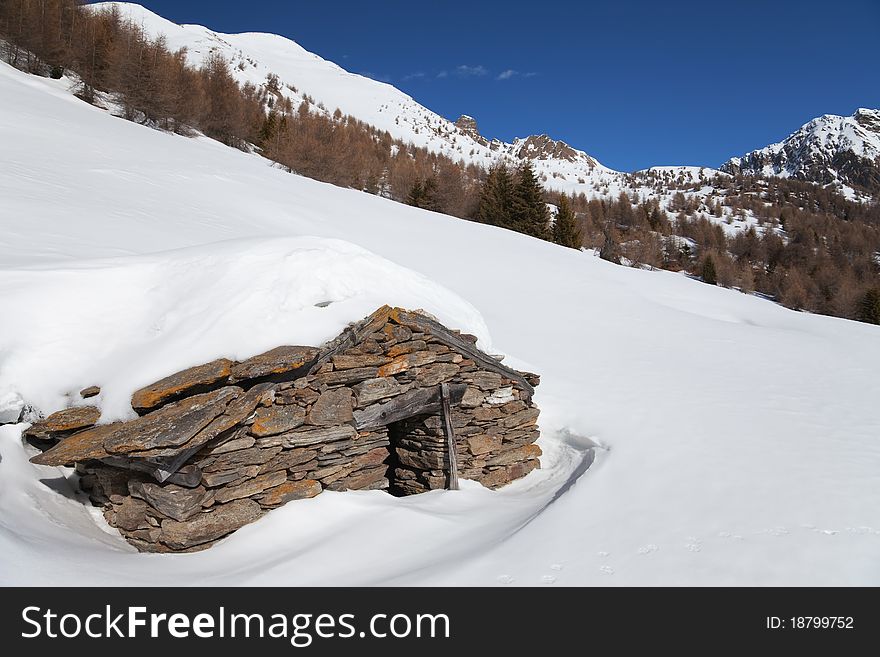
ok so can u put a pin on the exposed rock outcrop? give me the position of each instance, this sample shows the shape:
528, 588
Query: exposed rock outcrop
468, 125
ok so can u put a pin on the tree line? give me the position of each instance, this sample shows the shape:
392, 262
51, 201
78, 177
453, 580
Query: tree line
811, 249
512, 199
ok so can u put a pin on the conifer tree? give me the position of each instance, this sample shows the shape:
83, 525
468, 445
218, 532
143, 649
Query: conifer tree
496, 198
424, 194
869, 307
565, 229
414, 198
707, 272
529, 212
430, 195
268, 129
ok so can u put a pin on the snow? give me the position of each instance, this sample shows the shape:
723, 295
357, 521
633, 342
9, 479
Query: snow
256, 55
11, 406
819, 140
189, 306
735, 441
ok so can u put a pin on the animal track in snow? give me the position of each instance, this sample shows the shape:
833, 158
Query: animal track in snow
693, 544
606, 570
548, 579
862, 530
604, 554
556, 566
648, 549
505, 579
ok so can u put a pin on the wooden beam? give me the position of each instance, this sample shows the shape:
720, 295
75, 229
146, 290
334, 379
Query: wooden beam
422, 401
452, 480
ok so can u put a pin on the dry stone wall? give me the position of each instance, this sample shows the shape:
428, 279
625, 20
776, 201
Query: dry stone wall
218, 445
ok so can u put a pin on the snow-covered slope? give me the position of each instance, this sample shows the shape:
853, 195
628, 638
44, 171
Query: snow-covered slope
254, 56
839, 150
843, 151
738, 439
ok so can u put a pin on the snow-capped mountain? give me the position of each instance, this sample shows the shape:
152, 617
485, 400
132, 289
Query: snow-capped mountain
303, 75
831, 149
839, 150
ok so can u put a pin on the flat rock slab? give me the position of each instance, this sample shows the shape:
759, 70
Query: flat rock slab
406, 361
524, 418
277, 419
315, 436
173, 387
69, 419
214, 479
238, 410
131, 514
332, 408
216, 427
206, 527
435, 374
517, 455
289, 459
424, 460
372, 390
353, 361
81, 446
346, 377
91, 391
483, 444
498, 477
289, 491
366, 479
251, 487
233, 445
173, 501
277, 362
172, 425
240, 459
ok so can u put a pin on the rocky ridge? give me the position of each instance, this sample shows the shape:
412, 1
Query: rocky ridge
841, 150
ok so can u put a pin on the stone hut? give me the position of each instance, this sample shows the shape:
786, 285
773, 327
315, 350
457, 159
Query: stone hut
396, 402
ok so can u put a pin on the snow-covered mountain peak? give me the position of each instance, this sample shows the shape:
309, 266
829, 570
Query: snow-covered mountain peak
869, 119
830, 149
327, 86
844, 151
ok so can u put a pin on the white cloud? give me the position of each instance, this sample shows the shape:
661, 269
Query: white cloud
466, 71
413, 76
443, 74
510, 73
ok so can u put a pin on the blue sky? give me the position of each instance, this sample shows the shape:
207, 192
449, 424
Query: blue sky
634, 84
